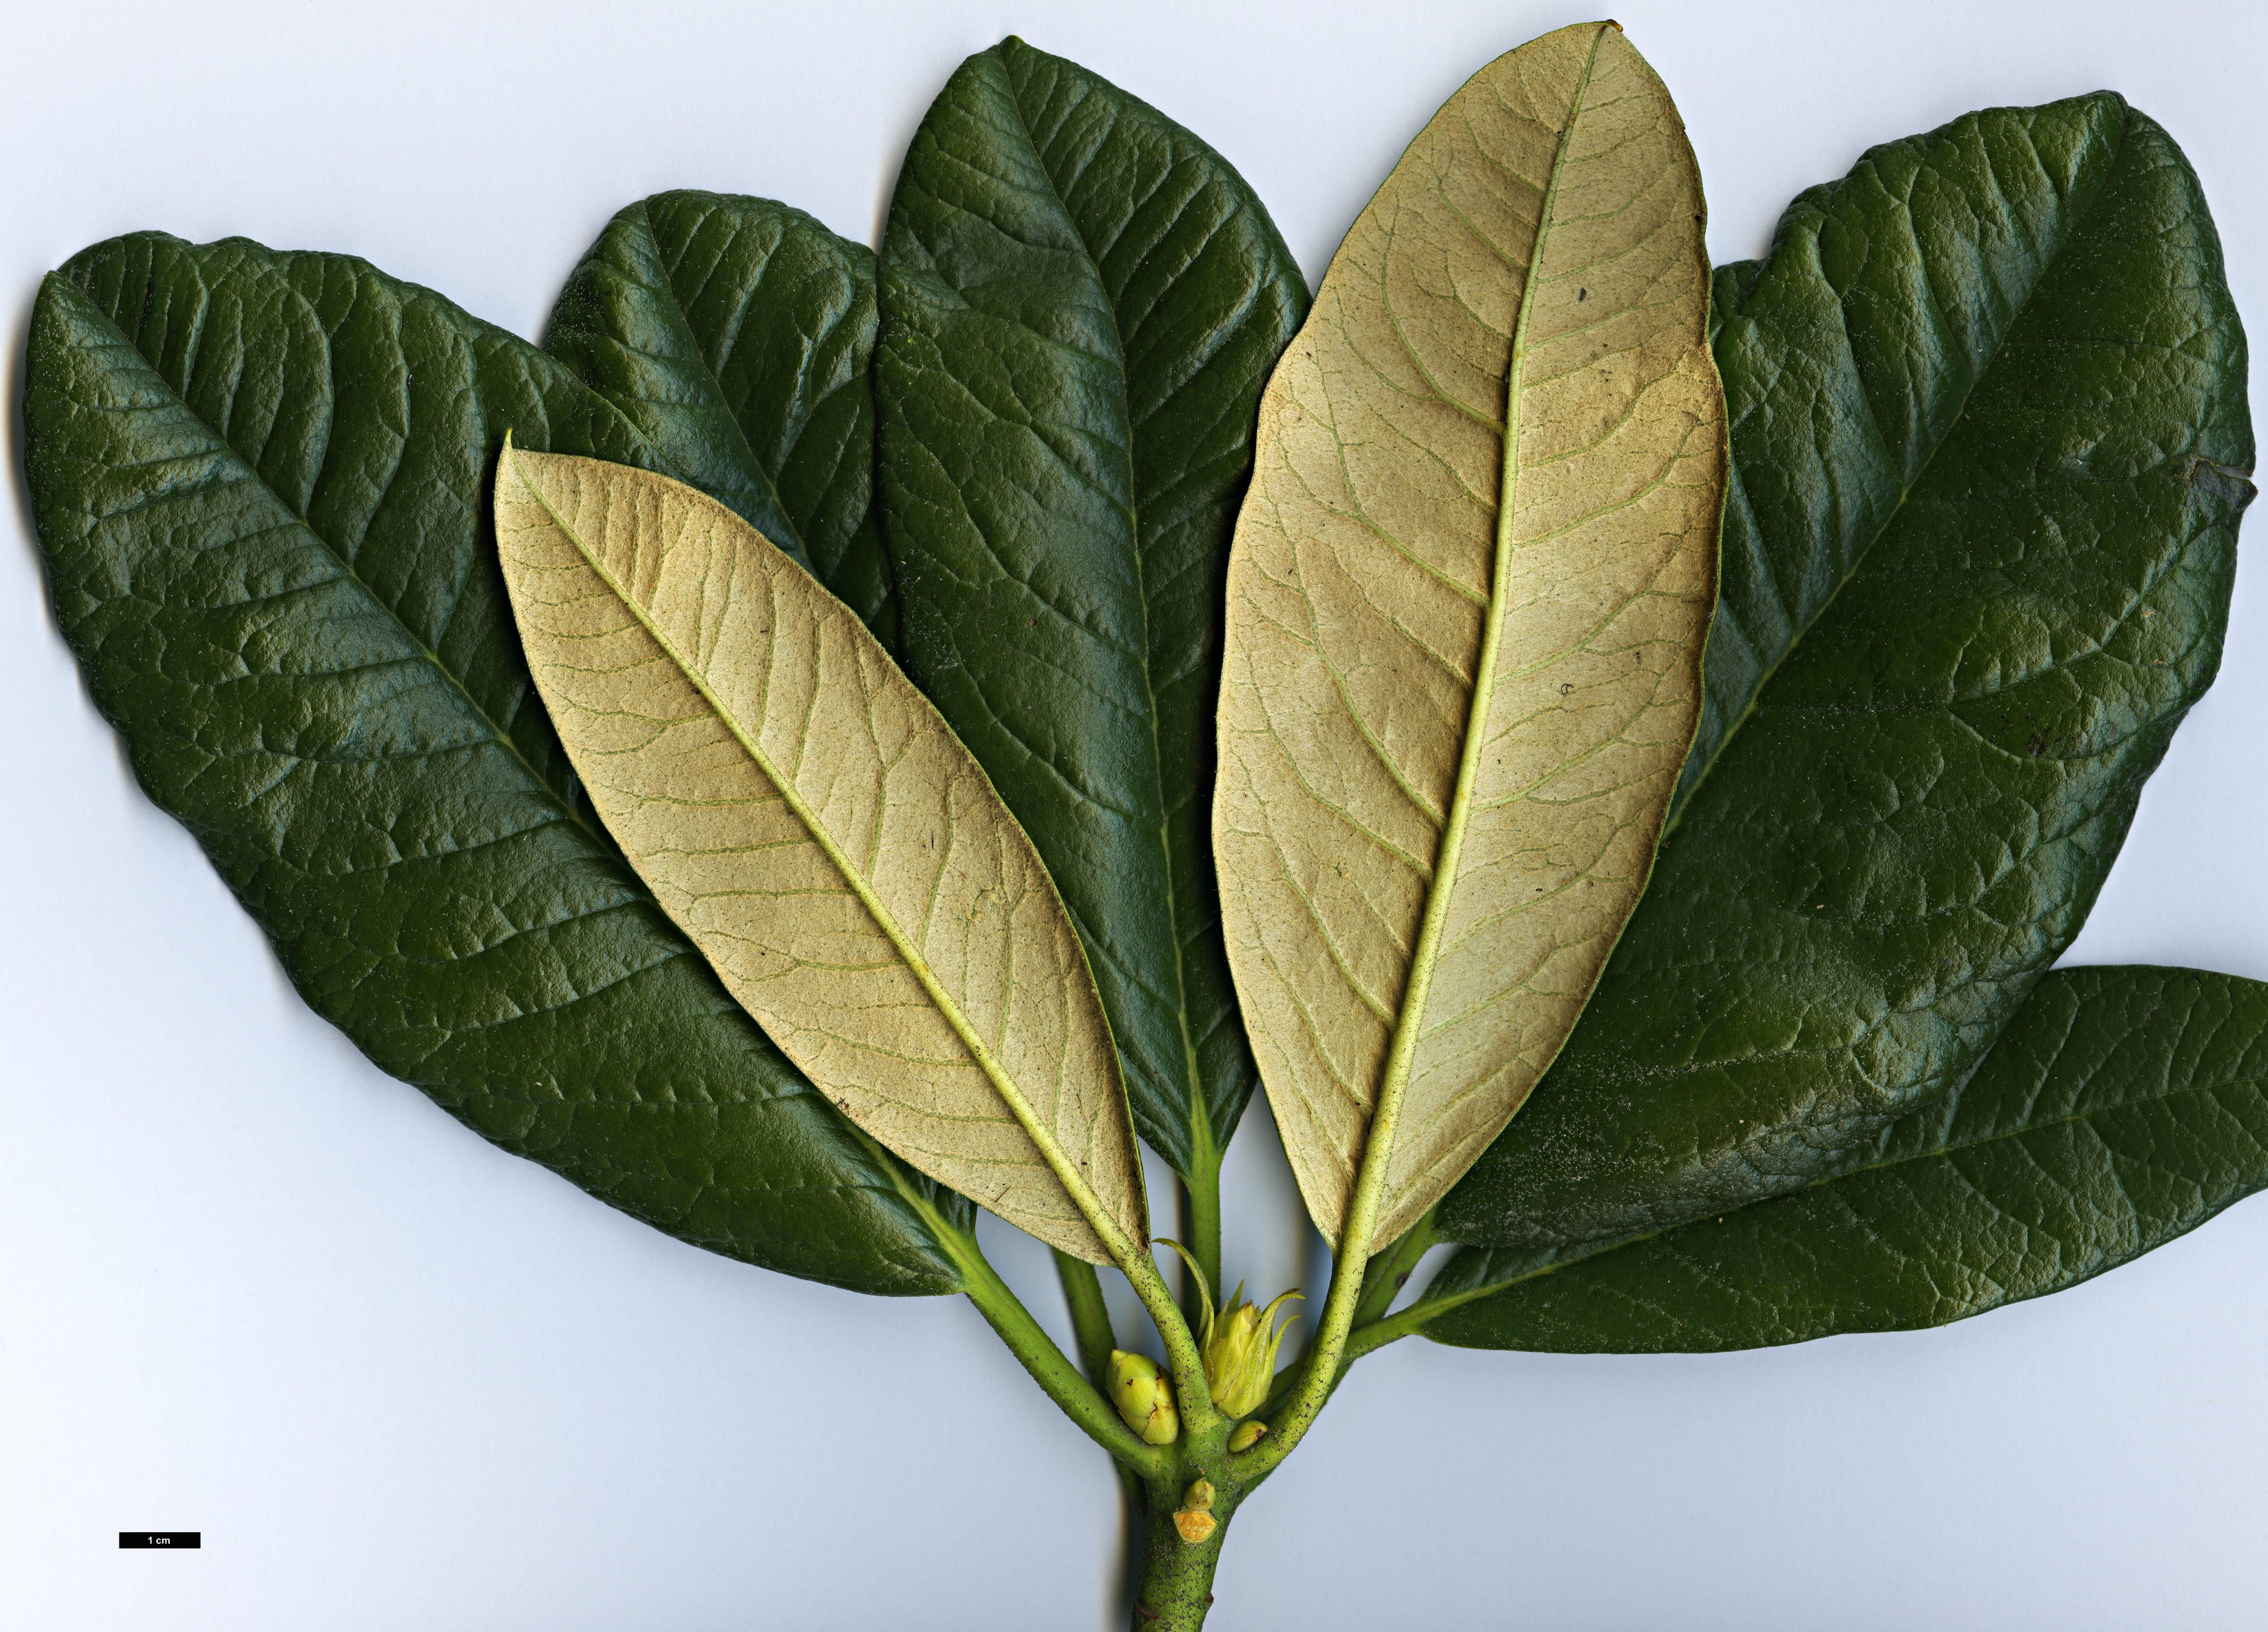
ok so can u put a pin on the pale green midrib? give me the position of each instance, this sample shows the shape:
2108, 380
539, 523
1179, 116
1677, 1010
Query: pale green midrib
1201, 1131
601, 842
1107, 1229
684, 323
1897, 507
950, 1240
1328, 1352
1402, 1054
982, 1285
498, 732
1428, 1308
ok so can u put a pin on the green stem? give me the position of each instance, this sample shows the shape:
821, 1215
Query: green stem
1191, 1393
1084, 1403
1368, 1338
1131, 1258
1389, 1271
1358, 1225
1090, 1326
1431, 1306
1175, 1589
1057, 1377
1378, 1334
1318, 1373
1361, 1340
1388, 1274
1200, 1191
1090, 1316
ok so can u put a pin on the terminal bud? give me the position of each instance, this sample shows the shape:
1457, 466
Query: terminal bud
1240, 1354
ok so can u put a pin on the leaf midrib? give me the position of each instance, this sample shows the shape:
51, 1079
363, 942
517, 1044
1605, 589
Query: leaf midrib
709, 376
1096, 1216
432, 658
1456, 1299
1896, 509
1200, 1113
1441, 891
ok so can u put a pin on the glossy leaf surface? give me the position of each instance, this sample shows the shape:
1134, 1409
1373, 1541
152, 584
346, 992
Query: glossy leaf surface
2122, 1107
738, 334
1989, 438
1081, 302
802, 813
1465, 617
260, 483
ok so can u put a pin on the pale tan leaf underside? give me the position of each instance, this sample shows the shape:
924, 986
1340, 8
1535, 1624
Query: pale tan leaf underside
1463, 667
806, 816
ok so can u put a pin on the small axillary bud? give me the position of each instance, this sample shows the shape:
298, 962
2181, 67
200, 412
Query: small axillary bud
1144, 1398
1198, 1496
1248, 1435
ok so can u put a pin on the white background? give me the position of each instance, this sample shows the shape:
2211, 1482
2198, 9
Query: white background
251, 1286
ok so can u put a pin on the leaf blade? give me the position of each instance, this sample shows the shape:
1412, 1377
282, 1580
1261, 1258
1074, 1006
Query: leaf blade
2122, 1107
257, 483
1422, 882
737, 334
2021, 587
1081, 302
871, 902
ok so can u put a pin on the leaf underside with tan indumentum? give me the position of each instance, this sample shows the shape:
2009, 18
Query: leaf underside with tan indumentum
1990, 450
1467, 606
802, 813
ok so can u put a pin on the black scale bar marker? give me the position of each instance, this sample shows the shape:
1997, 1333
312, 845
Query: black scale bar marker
161, 1538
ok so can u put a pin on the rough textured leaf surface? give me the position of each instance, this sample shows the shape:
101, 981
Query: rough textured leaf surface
260, 481
2122, 1107
1081, 302
802, 813
1466, 612
738, 334
1989, 438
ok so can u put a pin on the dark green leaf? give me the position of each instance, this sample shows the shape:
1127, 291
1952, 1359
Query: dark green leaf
261, 481
737, 334
2121, 1108
1081, 302
1989, 438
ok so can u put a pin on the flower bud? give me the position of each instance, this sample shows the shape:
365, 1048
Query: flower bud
1194, 1525
1240, 1354
1248, 1435
1198, 1496
1144, 1398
